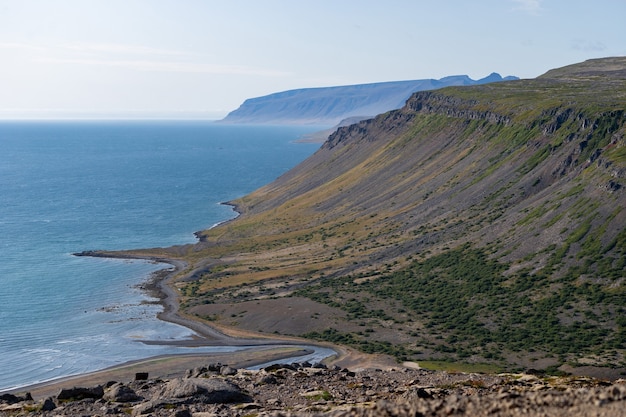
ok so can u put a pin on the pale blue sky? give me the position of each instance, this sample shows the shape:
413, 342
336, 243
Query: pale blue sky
202, 58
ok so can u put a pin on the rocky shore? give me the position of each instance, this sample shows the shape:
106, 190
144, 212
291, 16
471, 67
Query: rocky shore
304, 389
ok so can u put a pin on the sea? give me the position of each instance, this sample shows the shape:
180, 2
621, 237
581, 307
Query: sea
70, 186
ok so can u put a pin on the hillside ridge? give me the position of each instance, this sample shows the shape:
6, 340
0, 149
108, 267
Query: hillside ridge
480, 224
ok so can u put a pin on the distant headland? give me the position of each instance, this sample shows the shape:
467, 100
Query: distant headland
328, 106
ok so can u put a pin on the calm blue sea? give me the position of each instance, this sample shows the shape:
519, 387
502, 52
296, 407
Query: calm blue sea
66, 187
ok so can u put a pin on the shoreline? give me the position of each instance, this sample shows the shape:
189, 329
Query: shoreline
161, 366
256, 350
159, 286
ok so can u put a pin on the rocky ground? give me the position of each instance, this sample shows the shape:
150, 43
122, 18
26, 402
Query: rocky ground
305, 389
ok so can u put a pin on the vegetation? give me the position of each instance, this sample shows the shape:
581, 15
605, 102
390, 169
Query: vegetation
481, 224
468, 306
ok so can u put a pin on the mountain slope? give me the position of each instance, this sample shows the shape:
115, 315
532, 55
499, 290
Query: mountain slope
482, 223
330, 105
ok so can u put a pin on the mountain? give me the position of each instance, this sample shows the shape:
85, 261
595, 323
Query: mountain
329, 105
477, 223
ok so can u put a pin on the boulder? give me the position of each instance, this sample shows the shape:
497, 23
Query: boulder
207, 391
14, 399
145, 408
78, 393
48, 405
121, 393
141, 376
228, 371
182, 413
267, 379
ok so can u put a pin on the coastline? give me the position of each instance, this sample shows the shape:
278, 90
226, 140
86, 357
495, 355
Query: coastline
199, 335
163, 366
256, 350
159, 286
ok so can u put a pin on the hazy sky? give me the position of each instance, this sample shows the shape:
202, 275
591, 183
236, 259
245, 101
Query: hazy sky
202, 58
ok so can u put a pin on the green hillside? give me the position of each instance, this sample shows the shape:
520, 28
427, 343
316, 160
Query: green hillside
480, 224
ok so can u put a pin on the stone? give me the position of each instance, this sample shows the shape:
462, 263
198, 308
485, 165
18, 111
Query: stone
278, 366
48, 405
228, 371
78, 393
207, 391
14, 399
141, 376
215, 367
267, 379
121, 393
182, 413
144, 408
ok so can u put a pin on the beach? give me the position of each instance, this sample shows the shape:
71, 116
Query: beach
256, 350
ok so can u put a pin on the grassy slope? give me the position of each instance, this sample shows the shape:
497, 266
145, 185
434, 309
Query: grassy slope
483, 223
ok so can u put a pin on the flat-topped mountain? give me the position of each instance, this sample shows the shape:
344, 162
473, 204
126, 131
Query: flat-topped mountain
330, 105
477, 224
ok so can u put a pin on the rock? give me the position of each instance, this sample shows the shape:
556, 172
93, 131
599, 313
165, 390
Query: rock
48, 405
278, 366
14, 399
228, 371
250, 406
141, 376
121, 393
10, 408
215, 367
109, 384
77, 393
144, 408
207, 391
182, 413
196, 372
369, 394
267, 379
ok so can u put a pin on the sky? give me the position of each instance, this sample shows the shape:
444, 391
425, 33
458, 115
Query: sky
180, 59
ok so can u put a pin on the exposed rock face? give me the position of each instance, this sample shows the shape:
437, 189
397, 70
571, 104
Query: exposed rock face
297, 390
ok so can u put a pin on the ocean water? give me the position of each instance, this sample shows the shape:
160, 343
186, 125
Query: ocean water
66, 187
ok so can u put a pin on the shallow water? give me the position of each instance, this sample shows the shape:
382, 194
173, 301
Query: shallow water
66, 187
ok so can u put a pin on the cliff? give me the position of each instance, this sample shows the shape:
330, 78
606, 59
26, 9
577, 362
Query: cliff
329, 105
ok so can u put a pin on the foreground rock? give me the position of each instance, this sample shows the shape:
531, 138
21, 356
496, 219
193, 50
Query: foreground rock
305, 389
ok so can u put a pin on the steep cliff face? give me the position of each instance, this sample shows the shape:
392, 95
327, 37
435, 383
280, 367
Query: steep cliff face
486, 220
330, 105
